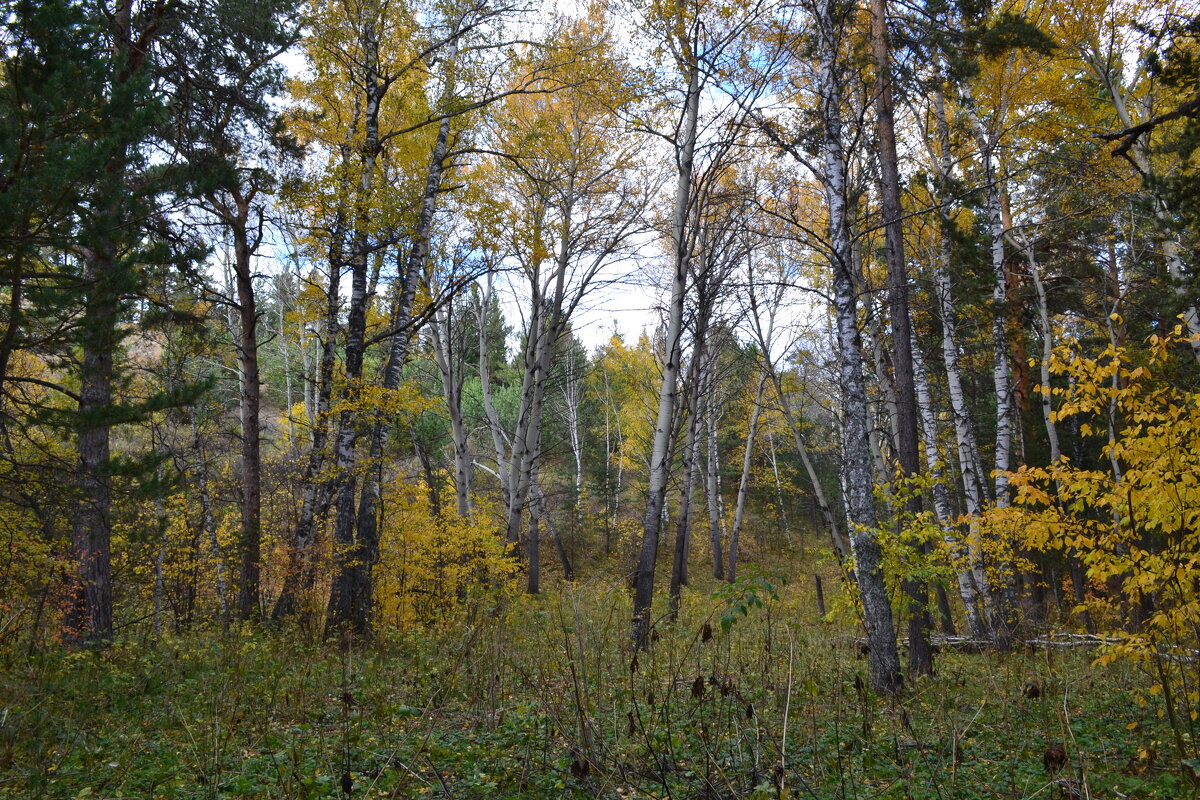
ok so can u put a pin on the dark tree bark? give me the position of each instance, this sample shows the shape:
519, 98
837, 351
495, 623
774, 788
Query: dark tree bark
712, 488
106, 218
920, 656
244, 246
696, 374
89, 617
345, 609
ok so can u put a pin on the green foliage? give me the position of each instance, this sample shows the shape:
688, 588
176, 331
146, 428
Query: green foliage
744, 594
1010, 31
515, 703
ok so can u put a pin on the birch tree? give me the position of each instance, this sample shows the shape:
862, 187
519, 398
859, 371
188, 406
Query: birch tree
696, 46
860, 501
575, 209
830, 22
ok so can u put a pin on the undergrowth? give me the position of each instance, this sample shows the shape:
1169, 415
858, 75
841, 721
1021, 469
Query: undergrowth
748, 694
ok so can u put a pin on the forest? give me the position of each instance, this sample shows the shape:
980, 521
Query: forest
696, 399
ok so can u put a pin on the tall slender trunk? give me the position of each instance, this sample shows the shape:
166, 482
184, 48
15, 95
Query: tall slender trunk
659, 454
308, 378
348, 606
882, 440
873, 336
522, 461
683, 518
884, 661
207, 522
555, 534
1005, 606
783, 517
449, 365
618, 483
285, 353
693, 478
968, 590
1047, 332
712, 490
572, 396
920, 655
298, 577
533, 547
835, 535
744, 481
89, 617
546, 327
315, 487
1000, 375
485, 384
964, 426
608, 499
250, 545
160, 520
1047, 402
1078, 578
366, 519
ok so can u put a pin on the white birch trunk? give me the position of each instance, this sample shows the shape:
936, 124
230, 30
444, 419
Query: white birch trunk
883, 658
965, 577
652, 526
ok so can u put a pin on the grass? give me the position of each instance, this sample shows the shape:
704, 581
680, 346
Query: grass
543, 698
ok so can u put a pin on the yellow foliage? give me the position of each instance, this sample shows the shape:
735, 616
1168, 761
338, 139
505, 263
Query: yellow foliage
405, 402
431, 566
1135, 525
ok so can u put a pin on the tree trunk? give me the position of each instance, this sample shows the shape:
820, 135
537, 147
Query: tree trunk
744, 481
1004, 607
366, 532
783, 518
659, 454
695, 416
447, 357
965, 578
533, 384
920, 656
282, 303
251, 505
349, 607
160, 520
712, 490
534, 544
964, 426
619, 484
485, 384
533, 549
835, 535
89, 617
1000, 376
884, 662
563, 560
207, 523
572, 397
314, 489
1047, 332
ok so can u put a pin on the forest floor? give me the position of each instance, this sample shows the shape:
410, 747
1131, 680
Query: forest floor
543, 698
